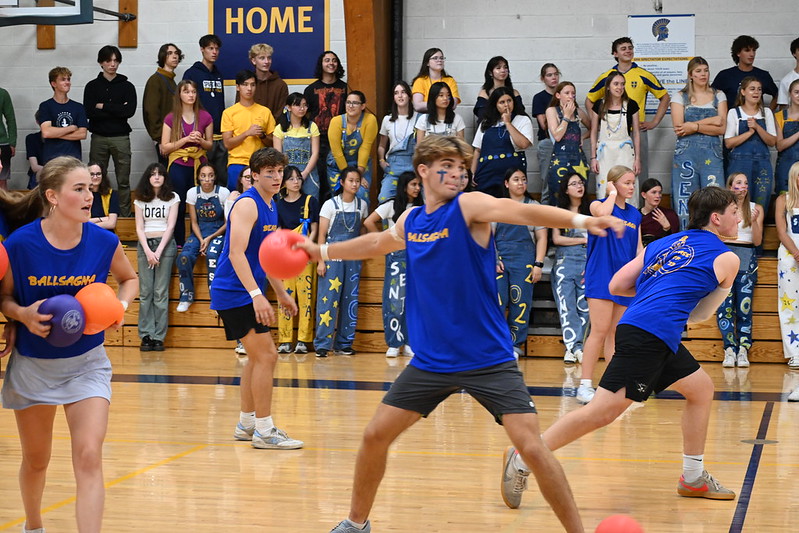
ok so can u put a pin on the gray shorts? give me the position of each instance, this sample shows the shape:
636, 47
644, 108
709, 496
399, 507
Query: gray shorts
33, 381
500, 389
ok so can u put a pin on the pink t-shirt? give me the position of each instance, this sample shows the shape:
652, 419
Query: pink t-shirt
204, 121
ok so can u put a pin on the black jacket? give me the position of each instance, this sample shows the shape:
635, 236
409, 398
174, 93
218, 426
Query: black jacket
118, 97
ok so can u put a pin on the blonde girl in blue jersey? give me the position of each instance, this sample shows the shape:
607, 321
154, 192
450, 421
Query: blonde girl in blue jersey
40, 377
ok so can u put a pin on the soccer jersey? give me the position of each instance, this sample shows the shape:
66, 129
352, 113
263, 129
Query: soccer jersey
678, 272
40, 271
639, 81
227, 291
452, 310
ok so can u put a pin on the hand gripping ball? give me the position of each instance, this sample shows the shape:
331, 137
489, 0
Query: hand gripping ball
101, 307
278, 259
67, 322
619, 523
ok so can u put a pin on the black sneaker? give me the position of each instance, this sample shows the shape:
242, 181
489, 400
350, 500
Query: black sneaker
321, 352
346, 351
158, 346
146, 344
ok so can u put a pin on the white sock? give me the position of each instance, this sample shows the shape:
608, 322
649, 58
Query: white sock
264, 425
518, 463
37, 530
586, 383
692, 467
357, 524
247, 420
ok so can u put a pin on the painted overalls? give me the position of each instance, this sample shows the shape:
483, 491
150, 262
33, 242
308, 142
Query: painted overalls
210, 217
516, 249
394, 326
298, 150
734, 316
753, 160
567, 157
789, 156
497, 155
788, 288
337, 292
301, 288
351, 144
614, 147
400, 159
698, 160
569, 290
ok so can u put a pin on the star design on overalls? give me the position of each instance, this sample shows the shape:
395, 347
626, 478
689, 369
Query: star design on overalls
325, 318
708, 162
335, 284
581, 169
787, 303
793, 337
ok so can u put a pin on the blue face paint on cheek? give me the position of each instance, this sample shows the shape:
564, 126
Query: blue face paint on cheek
442, 173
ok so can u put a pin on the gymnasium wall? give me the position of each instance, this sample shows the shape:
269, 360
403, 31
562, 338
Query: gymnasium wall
576, 36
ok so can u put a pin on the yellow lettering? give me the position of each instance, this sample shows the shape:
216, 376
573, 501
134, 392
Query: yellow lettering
282, 22
302, 18
238, 19
251, 15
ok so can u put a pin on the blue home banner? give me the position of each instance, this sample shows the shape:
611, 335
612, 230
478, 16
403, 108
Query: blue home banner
298, 31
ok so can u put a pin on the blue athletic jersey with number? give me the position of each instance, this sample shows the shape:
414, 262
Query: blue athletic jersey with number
678, 272
40, 271
227, 291
452, 308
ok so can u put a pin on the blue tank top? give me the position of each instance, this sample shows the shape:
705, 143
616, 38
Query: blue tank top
606, 255
41, 271
452, 310
678, 272
227, 291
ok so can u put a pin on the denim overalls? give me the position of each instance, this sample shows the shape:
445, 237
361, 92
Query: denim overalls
298, 150
210, 217
400, 159
351, 144
337, 290
394, 326
789, 156
753, 160
698, 160
516, 249
567, 157
568, 289
497, 155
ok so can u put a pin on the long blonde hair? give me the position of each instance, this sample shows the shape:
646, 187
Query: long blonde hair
792, 196
746, 209
616, 172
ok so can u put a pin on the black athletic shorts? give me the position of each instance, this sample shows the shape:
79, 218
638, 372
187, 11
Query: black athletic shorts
643, 363
500, 389
239, 321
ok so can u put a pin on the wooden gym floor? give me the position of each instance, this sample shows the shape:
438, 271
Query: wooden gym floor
171, 463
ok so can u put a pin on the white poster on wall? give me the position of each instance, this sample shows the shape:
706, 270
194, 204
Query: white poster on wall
663, 45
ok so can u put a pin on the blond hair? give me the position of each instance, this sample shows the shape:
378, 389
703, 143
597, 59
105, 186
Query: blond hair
435, 147
260, 48
615, 173
746, 209
792, 196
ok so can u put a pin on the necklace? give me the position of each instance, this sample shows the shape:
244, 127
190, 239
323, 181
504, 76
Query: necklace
611, 129
404, 135
354, 211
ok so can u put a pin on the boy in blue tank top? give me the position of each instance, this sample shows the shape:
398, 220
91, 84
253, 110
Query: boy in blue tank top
236, 295
680, 278
460, 335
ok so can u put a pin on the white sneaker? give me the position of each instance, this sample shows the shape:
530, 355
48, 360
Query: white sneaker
729, 358
284, 348
578, 354
569, 358
794, 396
407, 351
183, 307
239, 349
585, 394
275, 439
392, 352
743, 359
793, 362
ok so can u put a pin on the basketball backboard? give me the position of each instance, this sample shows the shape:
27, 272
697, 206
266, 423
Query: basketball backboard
16, 12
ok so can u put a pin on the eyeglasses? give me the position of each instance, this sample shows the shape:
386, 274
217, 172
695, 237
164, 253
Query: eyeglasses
438, 58
574, 183
352, 103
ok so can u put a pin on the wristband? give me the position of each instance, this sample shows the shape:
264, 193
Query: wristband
124, 304
578, 221
255, 292
323, 252
538, 264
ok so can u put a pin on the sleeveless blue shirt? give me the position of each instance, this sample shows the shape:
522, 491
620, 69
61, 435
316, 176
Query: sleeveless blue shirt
41, 270
452, 309
678, 272
606, 255
227, 291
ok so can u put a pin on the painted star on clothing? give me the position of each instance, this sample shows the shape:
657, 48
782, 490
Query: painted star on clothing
335, 284
791, 321
581, 169
782, 274
793, 337
325, 318
787, 303
708, 162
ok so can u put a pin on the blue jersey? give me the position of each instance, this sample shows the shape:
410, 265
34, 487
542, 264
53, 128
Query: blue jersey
41, 271
227, 291
606, 255
678, 272
452, 309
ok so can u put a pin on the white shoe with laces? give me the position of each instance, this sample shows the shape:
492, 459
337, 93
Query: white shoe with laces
569, 358
392, 352
578, 354
743, 358
793, 362
183, 307
407, 351
729, 358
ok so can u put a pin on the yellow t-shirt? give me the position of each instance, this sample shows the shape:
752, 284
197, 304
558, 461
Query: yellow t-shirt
297, 133
638, 82
422, 85
237, 119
